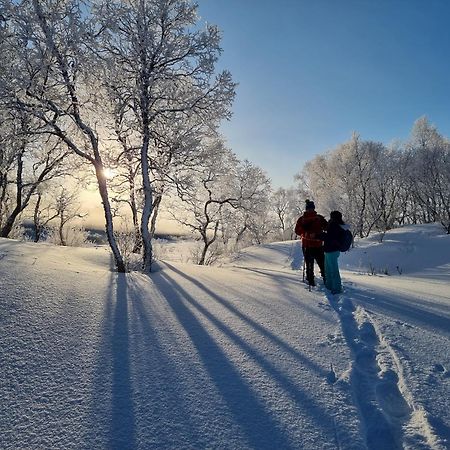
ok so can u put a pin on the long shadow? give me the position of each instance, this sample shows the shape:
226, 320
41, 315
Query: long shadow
256, 326
442, 429
405, 308
294, 278
157, 369
122, 427
260, 428
112, 421
279, 273
290, 278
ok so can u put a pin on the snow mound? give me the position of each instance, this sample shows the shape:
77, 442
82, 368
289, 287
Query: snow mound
415, 250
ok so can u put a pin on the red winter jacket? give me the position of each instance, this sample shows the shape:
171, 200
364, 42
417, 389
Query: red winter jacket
309, 224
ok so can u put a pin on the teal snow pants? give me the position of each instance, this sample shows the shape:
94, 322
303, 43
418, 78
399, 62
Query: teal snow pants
332, 275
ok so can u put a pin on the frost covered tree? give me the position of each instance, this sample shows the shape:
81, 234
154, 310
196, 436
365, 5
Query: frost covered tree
212, 187
353, 166
287, 205
343, 179
263, 225
56, 79
429, 172
8, 157
160, 64
66, 207
379, 187
317, 181
254, 189
43, 214
54, 209
29, 160
385, 193
221, 189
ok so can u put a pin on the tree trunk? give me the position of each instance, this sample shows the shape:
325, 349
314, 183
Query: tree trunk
207, 242
155, 210
147, 210
37, 225
6, 229
134, 213
109, 227
3, 186
62, 240
201, 262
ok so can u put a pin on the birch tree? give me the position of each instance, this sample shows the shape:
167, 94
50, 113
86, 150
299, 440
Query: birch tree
161, 64
429, 173
56, 80
222, 190
285, 203
36, 161
384, 198
212, 188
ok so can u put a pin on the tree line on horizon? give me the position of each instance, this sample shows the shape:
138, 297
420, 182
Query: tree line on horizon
379, 187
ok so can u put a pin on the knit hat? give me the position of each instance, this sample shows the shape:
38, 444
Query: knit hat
337, 217
309, 204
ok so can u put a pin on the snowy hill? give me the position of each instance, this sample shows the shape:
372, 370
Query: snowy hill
419, 250
241, 356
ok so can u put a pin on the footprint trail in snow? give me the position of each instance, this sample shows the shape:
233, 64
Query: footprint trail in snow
389, 416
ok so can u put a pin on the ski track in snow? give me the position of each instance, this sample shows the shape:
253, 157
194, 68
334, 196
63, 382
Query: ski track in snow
390, 418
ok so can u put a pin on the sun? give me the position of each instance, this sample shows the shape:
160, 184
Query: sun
108, 173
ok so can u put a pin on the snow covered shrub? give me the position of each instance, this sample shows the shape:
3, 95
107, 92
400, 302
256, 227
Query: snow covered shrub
215, 252
196, 252
160, 249
126, 242
74, 236
18, 232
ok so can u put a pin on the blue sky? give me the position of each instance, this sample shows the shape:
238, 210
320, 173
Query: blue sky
312, 71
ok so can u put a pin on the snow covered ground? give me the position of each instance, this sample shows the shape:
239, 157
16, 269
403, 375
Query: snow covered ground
234, 357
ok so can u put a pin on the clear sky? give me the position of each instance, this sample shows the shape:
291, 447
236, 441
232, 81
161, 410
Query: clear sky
312, 71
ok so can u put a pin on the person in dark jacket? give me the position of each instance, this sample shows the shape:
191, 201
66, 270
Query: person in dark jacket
332, 239
308, 226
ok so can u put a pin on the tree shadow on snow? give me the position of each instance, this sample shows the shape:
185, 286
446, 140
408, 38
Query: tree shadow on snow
249, 411
263, 331
122, 430
112, 421
161, 376
404, 308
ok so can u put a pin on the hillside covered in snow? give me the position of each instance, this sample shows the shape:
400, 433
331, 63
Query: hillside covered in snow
241, 356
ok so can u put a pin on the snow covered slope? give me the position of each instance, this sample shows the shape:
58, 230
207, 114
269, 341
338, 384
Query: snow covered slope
241, 356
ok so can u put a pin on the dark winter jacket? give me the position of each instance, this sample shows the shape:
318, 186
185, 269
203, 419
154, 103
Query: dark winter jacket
308, 226
332, 237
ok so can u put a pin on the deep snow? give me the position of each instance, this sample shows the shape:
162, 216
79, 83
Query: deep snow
238, 356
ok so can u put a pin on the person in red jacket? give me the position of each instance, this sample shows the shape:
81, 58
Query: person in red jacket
308, 226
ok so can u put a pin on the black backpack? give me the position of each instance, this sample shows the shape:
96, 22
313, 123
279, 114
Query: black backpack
346, 240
